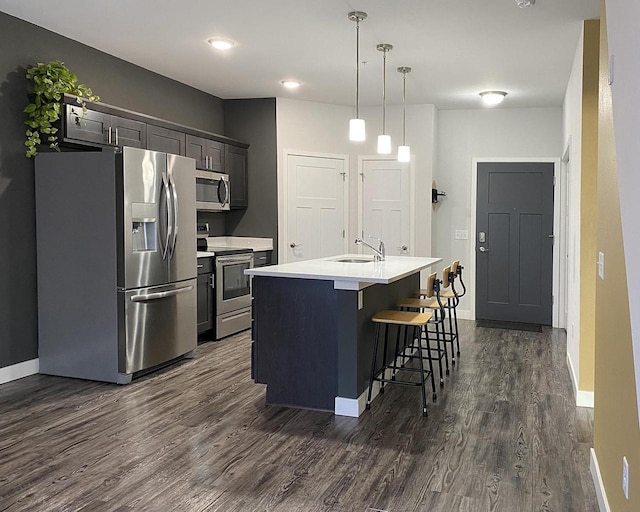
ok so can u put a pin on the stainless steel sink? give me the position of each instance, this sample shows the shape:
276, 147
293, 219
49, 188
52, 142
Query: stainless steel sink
353, 260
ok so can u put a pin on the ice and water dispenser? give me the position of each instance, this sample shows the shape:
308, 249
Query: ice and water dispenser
144, 227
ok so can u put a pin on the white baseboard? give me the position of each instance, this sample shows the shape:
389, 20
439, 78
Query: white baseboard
464, 314
583, 398
603, 503
19, 370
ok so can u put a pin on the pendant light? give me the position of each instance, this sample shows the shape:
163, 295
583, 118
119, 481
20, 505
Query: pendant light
384, 140
404, 152
356, 125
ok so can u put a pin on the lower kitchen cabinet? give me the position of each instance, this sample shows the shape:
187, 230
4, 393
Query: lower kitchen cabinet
205, 295
262, 258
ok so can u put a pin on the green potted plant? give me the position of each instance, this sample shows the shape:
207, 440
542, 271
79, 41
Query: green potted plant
49, 82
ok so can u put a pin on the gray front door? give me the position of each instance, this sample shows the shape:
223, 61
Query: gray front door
514, 242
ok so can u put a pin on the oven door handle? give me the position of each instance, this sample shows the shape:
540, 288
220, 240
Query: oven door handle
231, 260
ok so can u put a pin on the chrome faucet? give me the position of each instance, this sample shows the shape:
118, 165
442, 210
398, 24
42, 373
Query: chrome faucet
378, 253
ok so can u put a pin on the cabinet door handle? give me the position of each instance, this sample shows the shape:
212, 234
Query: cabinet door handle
212, 281
109, 142
116, 136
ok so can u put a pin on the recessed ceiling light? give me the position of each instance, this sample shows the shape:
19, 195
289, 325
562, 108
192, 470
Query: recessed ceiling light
221, 44
492, 98
525, 3
291, 84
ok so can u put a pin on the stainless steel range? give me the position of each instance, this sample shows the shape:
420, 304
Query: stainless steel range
233, 291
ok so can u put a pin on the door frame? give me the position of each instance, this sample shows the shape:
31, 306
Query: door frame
283, 197
412, 195
558, 232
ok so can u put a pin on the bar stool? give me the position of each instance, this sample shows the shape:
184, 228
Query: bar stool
408, 319
456, 270
453, 299
422, 305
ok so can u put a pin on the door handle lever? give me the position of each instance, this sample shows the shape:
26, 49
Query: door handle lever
483, 249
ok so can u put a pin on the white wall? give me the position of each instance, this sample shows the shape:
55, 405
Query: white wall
622, 21
572, 147
323, 128
485, 133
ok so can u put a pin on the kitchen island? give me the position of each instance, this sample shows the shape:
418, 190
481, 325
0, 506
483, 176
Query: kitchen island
312, 337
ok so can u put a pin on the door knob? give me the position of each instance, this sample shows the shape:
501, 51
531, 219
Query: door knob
483, 249
402, 248
293, 245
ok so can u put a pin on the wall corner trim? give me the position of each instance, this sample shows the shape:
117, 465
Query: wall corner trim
19, 370
603, 503
583, 398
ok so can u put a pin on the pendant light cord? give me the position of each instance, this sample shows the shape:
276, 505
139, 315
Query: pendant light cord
357, 69
404, 109
384, 92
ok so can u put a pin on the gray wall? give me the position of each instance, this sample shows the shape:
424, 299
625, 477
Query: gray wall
254, 121
117, 82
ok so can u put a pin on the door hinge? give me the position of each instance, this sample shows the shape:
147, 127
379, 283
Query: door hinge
554, 181
343, 233
553, 300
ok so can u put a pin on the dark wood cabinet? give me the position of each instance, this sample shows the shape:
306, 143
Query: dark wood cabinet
165, 140
100, 128
205, 295
91, 126
208, 154
127, 132
262, 258
235, 162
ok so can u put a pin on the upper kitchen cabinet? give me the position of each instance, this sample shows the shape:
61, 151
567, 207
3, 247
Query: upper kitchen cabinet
208, 154
235, 160
166, 140
101, 128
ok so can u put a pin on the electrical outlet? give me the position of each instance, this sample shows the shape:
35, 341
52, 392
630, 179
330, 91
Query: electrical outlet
625, 477
601, 265
461, 234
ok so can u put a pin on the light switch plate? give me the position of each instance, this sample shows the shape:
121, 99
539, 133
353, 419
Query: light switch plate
601, 265
461, 234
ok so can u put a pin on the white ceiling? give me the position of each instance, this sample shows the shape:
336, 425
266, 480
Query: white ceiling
455, 47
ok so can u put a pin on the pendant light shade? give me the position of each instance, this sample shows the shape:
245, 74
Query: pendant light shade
384, 140
384, 144
357, 131
404, 151
404, 154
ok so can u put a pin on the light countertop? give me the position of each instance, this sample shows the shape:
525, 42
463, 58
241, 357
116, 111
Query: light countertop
349, 276
241, 242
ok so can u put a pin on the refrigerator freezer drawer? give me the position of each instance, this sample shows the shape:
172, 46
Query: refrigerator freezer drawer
233, 322
159, 325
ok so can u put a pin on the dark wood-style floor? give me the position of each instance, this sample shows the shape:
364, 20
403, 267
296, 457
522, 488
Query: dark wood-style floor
504, 435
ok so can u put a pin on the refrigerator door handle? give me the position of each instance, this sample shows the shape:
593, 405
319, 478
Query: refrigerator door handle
169, 231
160, 295
174, 195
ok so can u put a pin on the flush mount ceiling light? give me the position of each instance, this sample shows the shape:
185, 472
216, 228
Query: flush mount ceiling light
220, 43
291, 84
492, 98
384, 140
356, 125
525, 3
404, 152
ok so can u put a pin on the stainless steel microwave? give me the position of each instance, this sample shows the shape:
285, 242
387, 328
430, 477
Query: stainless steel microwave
212, 191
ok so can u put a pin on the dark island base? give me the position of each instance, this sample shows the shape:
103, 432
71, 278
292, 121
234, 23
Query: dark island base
311, 343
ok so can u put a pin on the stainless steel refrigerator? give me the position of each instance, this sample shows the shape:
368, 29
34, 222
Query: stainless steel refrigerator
117, 263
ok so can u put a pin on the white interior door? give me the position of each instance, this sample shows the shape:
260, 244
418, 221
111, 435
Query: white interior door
316, 207
386, 204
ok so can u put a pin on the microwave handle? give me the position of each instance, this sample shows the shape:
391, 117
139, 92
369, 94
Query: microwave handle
227, 192
218, 192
